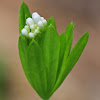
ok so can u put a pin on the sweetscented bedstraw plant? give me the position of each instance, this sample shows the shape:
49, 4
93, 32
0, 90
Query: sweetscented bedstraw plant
46, 57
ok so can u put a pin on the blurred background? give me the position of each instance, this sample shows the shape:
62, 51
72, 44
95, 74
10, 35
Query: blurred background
83, 83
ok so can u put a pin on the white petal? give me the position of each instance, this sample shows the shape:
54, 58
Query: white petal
31, 35
24, 32
40, 24
36, 31
32, 27
29, 21
44, 22
35, 13
42, 18
36, 18
26, 27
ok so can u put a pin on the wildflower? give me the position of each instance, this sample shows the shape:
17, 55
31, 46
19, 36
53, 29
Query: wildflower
24, 32
40, 24
36, 18
31, 35
33, 25
29, 21
46, 56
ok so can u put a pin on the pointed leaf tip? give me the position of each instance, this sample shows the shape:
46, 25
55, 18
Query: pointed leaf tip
51, 21
72, 59
87, 34
22, 2
50, 46
24, 13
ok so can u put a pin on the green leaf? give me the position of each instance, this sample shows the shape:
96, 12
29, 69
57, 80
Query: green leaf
32, 64
51, 21
50, 48
23, 48
72, 59
23, 15
36, 69
69, 39
65, 45
62, 51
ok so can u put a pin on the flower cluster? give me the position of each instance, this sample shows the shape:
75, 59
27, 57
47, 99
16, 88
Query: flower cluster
34, 25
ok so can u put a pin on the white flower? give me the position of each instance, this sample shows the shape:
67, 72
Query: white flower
40, 24
29, 21
36, 31
31, 35
36, 18
35, 13
24, 32
32, 27
42, 18
27, 28
44, 22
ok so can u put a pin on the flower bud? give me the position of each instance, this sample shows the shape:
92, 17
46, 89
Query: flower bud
24, 32
31, 35
27, 28
29, 21
36, 18
42, 18
36, 31
44, 22
35, 13
32, 27
40, 24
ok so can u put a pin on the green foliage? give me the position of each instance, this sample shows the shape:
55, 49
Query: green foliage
48, 59
69, 62
36, 68
23, 15
65, 45
51, 21
50, 49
